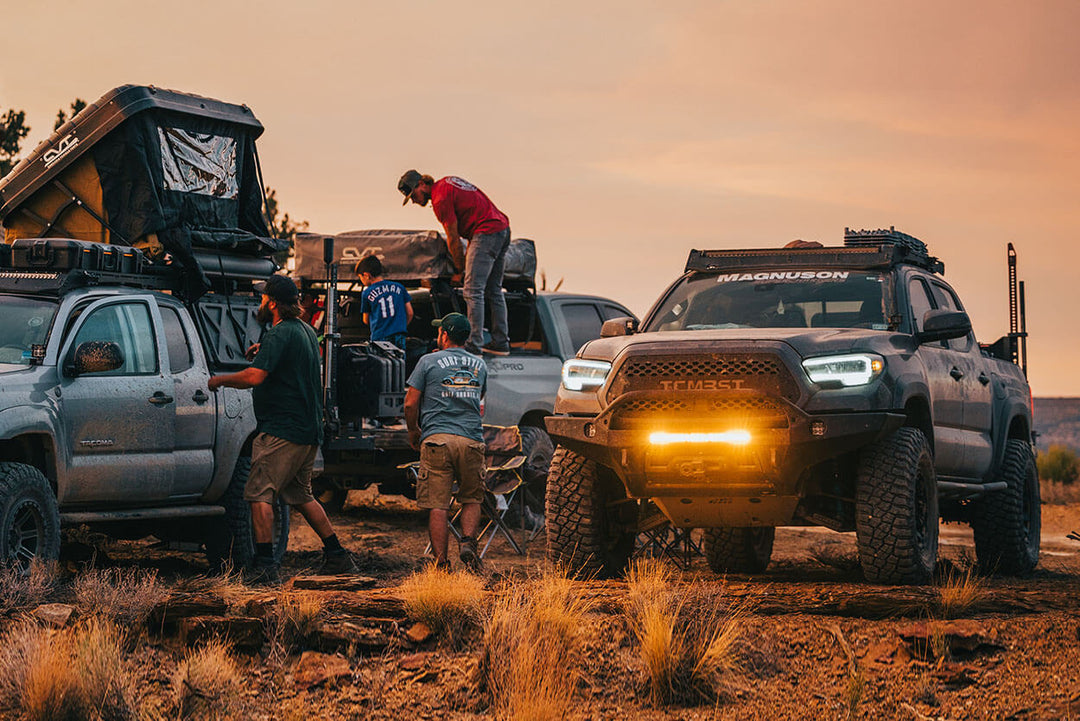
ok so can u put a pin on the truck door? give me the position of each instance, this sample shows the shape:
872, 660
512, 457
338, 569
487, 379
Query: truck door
977, 391
946, 393
119, 424
193, 452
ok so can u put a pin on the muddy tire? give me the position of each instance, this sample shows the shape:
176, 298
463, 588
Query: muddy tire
739, 550
538, 449
1007, 524
896, 509
29, 517
230, 539
582, 513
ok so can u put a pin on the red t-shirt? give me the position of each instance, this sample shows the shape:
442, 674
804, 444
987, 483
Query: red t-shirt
455, 199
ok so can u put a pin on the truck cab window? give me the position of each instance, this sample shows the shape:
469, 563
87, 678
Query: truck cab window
583, 323
947, 300
128, 325
176, 340
919, 297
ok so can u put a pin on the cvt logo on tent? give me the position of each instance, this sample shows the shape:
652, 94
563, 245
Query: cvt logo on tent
65, 146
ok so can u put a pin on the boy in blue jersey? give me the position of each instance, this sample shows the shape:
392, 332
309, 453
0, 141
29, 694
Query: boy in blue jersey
386, 305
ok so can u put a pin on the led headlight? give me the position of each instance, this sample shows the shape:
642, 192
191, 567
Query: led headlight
584, 375
845, 370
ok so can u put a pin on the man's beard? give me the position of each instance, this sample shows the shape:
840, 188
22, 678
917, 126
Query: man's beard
264, 316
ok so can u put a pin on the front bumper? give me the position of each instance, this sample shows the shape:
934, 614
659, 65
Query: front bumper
703, 484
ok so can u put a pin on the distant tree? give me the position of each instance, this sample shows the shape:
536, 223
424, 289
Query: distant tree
13, 129
1059, 464
283, 227
61, 117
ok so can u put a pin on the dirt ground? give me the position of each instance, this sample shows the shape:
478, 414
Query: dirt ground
818, 642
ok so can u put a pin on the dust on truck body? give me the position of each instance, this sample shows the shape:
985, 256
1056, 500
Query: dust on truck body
834, 386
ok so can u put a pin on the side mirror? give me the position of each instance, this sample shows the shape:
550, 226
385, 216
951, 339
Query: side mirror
95, 356
943, 325
618, 327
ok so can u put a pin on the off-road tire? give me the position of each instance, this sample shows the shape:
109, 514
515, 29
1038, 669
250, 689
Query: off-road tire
739, 550
896, 509
581, 531
230, 539
538, 449
1007, 524
29, 517
331, 493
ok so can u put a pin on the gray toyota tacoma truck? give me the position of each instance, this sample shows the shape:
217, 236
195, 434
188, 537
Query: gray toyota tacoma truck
835, 386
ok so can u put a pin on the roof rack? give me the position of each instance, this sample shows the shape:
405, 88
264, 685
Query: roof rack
862, 250
58, 283
915, 251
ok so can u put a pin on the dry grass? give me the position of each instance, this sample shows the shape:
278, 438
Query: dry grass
1059, 494
532, 641
690, 649
207, 683
959, 593
125, 596
295, 620
19, 589
71, 674
449, 603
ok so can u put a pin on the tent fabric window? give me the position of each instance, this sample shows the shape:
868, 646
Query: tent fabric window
198, 163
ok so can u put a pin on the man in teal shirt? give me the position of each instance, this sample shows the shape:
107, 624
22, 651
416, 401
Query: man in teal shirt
287, 395
442, 411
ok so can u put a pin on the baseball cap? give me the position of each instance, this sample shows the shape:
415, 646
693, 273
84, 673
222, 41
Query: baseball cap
455, 324
279, 288
408, 182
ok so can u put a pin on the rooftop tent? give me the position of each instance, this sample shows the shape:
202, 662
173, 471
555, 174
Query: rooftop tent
167, 172
406, 255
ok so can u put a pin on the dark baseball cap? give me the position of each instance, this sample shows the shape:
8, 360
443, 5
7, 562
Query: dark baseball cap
456, 326
279, 287
408, 183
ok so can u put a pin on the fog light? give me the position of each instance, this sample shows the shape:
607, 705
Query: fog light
590, 430
817, 428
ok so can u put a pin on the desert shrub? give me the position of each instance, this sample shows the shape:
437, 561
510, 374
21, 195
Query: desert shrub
35, 673
125, 596
959, 592
1058, 464
1053, 493
104, 689
207, 683
688, 643
448, 602
19, 589
294, 621
532, 642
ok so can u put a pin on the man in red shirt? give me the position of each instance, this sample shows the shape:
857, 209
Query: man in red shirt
467, 214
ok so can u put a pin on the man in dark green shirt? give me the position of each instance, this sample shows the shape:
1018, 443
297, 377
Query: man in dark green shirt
287, 394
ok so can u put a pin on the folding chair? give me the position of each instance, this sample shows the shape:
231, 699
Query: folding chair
504, 482
659, 539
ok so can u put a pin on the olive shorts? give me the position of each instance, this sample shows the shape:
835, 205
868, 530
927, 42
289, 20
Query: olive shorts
280, 468
445, 458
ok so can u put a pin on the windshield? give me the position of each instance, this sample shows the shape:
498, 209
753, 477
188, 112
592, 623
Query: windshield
775, 299
25, 322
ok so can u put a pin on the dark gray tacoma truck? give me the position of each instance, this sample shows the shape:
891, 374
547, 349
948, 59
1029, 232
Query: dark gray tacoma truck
836, 386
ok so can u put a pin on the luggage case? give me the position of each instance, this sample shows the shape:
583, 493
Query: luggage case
56, 254
121, 259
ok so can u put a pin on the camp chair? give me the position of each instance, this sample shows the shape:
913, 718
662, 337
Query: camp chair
660, 539
504, 460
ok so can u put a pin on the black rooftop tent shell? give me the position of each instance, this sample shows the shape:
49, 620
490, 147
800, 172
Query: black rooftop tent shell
165, 171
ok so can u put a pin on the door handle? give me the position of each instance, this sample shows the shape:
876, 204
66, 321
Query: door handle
160, 399
200, 397
956, 373
983, 378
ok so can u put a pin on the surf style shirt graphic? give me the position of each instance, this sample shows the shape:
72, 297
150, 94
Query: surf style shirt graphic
384, 302
452, 382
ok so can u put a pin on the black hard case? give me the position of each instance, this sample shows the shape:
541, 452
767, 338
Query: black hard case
56, 254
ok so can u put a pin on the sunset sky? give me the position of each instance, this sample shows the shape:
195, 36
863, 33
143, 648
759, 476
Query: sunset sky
619, 135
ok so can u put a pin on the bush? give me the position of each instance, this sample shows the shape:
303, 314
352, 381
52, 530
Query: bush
125, 596
448, 602
1059, 464
20, 589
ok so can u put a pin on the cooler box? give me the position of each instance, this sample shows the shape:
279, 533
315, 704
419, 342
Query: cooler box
56, 254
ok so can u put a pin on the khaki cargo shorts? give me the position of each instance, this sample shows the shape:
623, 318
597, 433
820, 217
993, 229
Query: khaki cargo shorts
280, 468
445, 458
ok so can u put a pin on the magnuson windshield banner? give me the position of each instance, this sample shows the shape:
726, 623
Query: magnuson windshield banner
783, 275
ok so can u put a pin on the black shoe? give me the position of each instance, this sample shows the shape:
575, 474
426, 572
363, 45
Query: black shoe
262, 573
336, 563
469, 347
497, 350
469, 554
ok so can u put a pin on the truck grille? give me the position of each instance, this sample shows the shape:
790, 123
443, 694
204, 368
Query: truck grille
762, 373
694, 410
